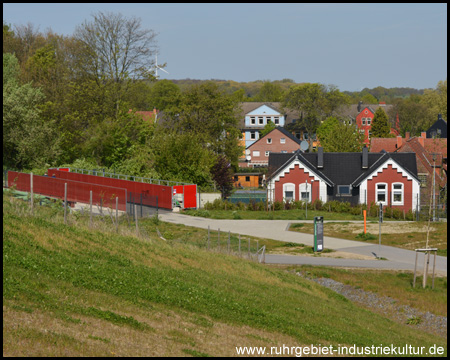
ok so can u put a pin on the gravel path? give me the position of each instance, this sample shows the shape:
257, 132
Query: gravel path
387, 306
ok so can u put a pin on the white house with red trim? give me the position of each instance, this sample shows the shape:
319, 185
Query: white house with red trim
358, 178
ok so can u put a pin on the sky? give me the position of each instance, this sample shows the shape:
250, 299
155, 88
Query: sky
351, 46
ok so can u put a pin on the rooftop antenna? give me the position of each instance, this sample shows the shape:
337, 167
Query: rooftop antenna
158, 67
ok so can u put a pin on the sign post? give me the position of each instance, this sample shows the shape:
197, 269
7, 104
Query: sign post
380, 221
318, 233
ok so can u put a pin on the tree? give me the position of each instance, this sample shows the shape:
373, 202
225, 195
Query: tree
267, 129
222, 174
28, 141
313, 102
269, 92
380, 124
116, 50
412, 113
335, 136
204, 109
164, 95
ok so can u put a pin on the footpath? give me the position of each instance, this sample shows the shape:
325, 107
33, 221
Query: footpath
397, 259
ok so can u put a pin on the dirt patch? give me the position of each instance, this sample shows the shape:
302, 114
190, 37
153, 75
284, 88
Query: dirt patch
386, 228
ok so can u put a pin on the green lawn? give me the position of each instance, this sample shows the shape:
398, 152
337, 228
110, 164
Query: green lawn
72, 291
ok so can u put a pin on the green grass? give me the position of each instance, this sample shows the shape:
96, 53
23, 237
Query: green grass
76, 278
293, 214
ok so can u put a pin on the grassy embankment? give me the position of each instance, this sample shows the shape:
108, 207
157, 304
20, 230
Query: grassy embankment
69, 290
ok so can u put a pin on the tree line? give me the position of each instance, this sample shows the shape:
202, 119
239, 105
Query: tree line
67, 100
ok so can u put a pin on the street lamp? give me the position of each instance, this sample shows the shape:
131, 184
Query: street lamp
306, 200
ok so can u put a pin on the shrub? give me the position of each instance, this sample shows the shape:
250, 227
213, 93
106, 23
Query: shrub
318, 204
278, 205
355, 210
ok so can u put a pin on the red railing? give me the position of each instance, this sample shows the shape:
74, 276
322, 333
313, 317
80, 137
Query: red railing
76, 191
164, 193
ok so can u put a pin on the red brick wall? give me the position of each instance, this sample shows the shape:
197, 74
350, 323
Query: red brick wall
391, 176
296, 176
262, 146
365, 113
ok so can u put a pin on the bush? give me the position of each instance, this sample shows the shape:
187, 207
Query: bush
278, 205
355, 210
318, 204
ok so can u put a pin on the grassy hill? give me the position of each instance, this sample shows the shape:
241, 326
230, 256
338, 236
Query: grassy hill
71, 291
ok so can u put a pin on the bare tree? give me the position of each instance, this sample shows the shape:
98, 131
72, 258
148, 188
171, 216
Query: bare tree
116, 50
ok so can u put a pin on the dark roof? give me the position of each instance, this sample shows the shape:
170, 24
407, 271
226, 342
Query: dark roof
441, 125
344, 168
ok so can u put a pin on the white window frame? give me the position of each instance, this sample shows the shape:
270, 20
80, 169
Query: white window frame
252, 135
398, 191
385, 191
269, 140
363, 121
252, 120
276, 120
288, 187
283, 141
260, 120
256, 153
268, 119
368, 121
267, 153
305, 188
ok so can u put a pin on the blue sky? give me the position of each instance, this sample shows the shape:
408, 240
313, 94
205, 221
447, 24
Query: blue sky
352, 46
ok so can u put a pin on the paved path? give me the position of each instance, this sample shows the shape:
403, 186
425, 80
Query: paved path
397, 259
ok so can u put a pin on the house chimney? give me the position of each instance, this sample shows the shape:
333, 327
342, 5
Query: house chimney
439, 117
422, 138
359, 106
407, 135
399, 141
320, 158
365, 157
382, 103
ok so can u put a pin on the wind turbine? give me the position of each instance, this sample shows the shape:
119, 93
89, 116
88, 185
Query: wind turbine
157, 67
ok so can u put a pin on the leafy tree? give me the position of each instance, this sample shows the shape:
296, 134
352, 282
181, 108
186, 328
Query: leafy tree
313, 102
413, 115
380, 124
165, 95
267, 129
335, 136
222, 174
27, 140
181, 156
269, 92
204, 109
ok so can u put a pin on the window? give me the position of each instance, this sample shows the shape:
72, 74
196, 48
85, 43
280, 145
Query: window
256, 153
282, 141
305, 192
268, 119
267, 153
344, 190
397, 194
253, 120
368, 121
363, 122
247, 178
269, 141
276, 120
305, 136
381, 193
261, 120
288, 192
423, 180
